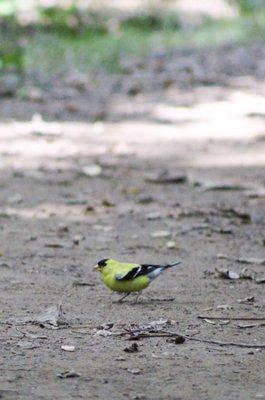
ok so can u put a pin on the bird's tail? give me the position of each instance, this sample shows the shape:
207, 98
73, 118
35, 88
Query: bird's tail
172, 264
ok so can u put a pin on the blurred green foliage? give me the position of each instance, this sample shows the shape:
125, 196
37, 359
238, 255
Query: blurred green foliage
67, 38
248, 7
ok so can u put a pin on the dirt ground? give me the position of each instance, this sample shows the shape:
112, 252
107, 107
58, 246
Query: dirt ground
171, 172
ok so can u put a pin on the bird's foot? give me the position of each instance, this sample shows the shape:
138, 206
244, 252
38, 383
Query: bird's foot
122, 298
137, 297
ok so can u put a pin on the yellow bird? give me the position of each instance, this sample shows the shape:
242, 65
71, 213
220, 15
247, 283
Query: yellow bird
127, 278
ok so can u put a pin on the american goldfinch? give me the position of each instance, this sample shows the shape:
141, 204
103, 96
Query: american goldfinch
127, 278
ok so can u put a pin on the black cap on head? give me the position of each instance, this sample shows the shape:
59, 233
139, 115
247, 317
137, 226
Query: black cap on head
103, 263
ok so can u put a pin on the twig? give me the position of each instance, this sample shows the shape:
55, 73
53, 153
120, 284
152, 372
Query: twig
154, 334
220, 343
234, 318
163, 299
210, 341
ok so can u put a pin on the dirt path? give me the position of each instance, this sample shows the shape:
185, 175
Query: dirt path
56, 221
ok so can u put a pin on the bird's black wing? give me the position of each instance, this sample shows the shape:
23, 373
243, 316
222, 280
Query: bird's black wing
144, 269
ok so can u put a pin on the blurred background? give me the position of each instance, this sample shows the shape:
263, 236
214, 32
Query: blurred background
159, 69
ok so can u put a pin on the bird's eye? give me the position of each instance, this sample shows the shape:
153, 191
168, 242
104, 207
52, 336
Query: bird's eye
103, 263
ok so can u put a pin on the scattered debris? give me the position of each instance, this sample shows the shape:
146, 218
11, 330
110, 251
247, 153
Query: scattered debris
63, 228
256, 194
50, 319
131, 349
215, 229
134, 371
247, 326
83, 283
166, 177
224, 307
89, 210
120, 358
54, 245
234, 344
92, 170
68, 374
103, 332
108, 203
15, 199
257, 261
67, 347
232, 318
231, 212
38, 127
171, 244
227, 274
260, 280
77, 239
159, 322
27, 345
153, 216
160, 234
242, 260
207, 186
247, 300
213, 322
163, 299
145, 199
177, 340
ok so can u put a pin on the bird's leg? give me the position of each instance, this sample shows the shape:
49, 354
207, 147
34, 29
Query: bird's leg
137, 297
123, 297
